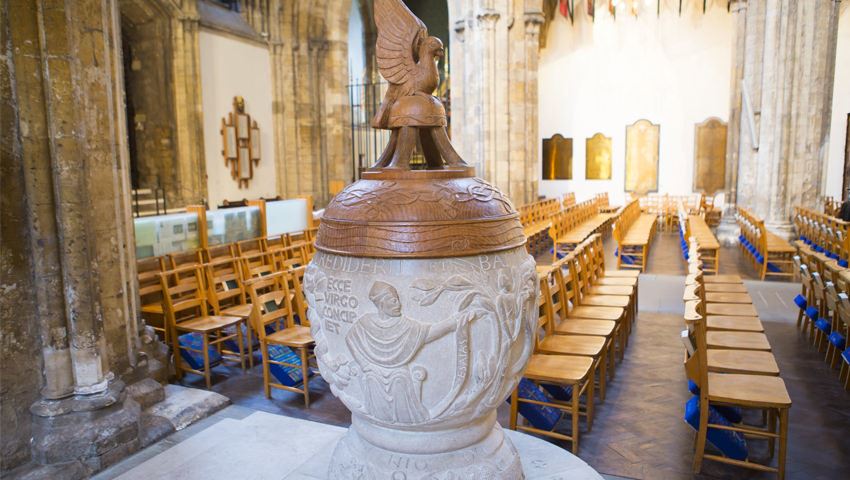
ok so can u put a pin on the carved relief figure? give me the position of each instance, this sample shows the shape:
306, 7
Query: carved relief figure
383, 344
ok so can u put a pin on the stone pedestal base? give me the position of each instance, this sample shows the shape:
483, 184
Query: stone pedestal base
491, 458
727, 232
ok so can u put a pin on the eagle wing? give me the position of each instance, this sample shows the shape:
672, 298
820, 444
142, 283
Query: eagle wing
398, 32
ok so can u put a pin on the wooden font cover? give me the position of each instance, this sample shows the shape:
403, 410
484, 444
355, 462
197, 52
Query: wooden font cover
394, 211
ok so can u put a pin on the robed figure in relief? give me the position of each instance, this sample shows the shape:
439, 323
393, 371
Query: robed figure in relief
383, 344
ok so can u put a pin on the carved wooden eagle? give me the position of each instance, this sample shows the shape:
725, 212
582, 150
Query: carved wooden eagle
406, 55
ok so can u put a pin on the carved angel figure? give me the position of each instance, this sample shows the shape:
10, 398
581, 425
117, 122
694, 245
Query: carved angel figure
406, 56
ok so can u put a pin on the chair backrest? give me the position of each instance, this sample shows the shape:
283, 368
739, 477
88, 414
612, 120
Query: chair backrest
224, 284
184, 294
298, 301
258, 264
545, 315
293, 256
270, 302
178, 260
251, 246
147, 273
219, 252
566, 279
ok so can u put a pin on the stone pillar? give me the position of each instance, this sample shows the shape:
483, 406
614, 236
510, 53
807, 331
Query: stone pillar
728, 231
494, 92
65, 145
788, 76
309, 54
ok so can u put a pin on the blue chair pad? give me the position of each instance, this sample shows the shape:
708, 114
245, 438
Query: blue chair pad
733, 414
195, 359
286, 375
540, 416
823, 325
846, 355
812, 312
801, 302
837, 339
731, 444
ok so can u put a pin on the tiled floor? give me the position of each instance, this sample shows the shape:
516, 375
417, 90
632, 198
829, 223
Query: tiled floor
639, 431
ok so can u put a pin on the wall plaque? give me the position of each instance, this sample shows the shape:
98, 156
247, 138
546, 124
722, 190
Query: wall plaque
642, 142
557, 158
710, 156
598, 157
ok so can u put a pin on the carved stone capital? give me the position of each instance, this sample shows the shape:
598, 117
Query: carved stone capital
487, 17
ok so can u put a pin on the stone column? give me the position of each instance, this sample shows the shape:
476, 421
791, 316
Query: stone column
65, 143
494, 92
788, 78
728, 231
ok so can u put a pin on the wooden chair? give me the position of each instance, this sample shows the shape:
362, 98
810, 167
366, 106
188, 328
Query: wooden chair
569, 311
178, 260
187, 312
258, 264
548, 342
150, 294
766, 393
227, 297
216, 253
568, 371
272, 306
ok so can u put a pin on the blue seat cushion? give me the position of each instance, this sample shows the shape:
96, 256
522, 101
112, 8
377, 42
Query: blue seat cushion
539, 416
842, 263
286, 375
801, 302
733, 414
823, 325
195, 359
818, 249
812, 312
558, 392
233, 345
731, 444
837, 339
846, 355
773, 268
803, 238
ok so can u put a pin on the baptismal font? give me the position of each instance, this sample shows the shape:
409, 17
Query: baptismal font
423, 299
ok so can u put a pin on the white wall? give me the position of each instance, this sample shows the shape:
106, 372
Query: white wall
231, 67
840, 107
604, 75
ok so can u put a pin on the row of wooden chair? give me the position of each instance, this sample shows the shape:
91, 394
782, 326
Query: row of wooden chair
536, 218
633, 231
575, 224
824, 307
695, 226
832, 206
568, 200
730, 367
823, 233
665, 207
585, 317
769, 253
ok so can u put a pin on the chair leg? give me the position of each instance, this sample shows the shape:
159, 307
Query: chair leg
590, 402
701, 434
305, 375
514, 407
575, 417
241, 340
207, 376
250, 343
783, 441
603, 374
771, 427
265, 349
175, 348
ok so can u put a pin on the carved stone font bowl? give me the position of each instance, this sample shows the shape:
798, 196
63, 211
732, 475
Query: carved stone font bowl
423, 304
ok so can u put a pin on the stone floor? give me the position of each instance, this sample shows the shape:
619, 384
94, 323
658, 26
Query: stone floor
639, 431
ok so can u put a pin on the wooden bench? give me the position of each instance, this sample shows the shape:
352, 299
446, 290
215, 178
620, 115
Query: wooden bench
633, 231
575, 224
770, 253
